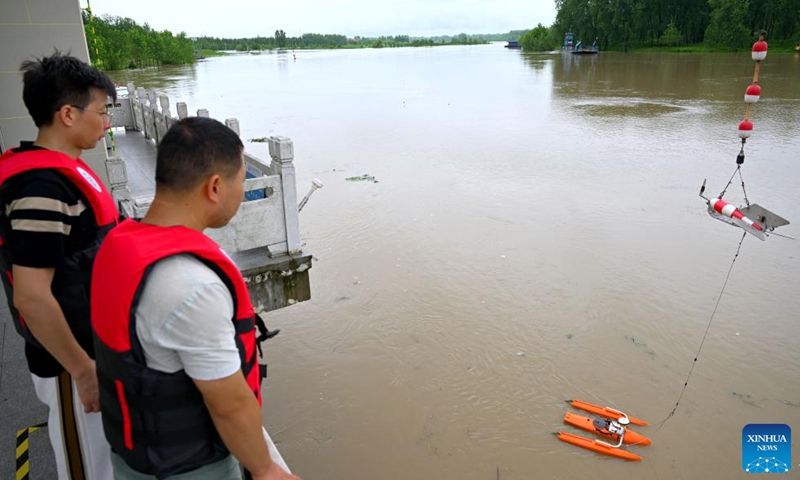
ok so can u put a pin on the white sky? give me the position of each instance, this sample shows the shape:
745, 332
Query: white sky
250, 18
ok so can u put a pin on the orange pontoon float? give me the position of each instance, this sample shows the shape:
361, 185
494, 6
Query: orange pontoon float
614, 427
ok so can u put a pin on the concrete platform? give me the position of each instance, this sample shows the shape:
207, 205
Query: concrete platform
140, 161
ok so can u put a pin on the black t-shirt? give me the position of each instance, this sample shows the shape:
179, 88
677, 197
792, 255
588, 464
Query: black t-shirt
47, 219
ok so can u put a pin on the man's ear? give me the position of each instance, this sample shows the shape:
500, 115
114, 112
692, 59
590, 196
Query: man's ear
66, 115
213, 188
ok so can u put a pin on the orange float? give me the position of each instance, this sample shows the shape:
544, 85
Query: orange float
613, 426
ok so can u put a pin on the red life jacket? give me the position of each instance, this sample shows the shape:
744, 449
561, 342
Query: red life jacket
157, 422
71, 281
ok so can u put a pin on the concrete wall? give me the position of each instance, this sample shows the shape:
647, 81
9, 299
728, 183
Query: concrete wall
33, 28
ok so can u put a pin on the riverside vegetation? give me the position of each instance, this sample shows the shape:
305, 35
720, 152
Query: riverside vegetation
689, 25
117, 43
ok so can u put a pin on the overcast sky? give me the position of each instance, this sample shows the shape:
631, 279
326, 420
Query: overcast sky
250, 18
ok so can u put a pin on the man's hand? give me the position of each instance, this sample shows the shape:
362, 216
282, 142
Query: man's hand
86, 383
274, 472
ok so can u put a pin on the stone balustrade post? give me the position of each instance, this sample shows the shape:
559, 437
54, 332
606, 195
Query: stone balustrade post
139, 112
281, 150
164, 101
203, 112
132, 103
183, 110
150, 110
162, 118
233, 124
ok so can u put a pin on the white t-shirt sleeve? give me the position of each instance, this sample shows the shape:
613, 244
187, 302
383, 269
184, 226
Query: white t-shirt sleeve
183, 320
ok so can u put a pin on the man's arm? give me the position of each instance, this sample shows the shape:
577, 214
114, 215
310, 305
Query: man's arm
235, 412
34, 299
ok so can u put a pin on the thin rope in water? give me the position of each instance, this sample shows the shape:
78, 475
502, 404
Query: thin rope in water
708, 327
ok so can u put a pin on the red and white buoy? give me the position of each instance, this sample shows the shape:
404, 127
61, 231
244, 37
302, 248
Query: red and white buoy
730, 210
724, 208
745, 129
752, 94
759, 50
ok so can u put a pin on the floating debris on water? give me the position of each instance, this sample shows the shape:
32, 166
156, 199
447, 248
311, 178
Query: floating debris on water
642, 346
746, 398
629, 109
362, 178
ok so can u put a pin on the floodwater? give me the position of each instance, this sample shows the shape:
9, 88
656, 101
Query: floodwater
534, 235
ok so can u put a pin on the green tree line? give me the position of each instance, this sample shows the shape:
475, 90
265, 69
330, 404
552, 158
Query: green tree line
716, 24
117, 43
317, 40
280, 40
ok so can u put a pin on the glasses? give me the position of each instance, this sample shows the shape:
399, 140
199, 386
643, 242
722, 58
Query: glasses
106, 116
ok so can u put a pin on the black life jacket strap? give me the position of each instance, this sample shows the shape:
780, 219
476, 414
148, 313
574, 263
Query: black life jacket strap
264, 333
249, 364
243, 326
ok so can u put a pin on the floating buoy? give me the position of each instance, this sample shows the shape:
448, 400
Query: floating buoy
759, 50
745, 129
752, 94
730, 211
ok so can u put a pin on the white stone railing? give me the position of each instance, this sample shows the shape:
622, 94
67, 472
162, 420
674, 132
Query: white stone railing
269, 215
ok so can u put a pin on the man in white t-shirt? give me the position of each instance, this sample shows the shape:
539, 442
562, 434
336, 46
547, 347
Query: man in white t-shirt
178, 320
174, 327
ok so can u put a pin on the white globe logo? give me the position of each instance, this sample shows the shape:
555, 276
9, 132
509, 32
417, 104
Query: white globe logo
89, 178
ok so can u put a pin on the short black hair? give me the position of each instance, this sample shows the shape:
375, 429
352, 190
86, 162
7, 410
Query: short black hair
58, 80
195, 148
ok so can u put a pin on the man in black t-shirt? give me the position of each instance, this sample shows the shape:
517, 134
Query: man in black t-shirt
54, 212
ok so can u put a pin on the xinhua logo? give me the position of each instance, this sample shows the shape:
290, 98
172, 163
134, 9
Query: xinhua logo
766, 448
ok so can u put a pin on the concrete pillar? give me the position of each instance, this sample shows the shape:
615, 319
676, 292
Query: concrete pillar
164, 101
160, 122
140, 108
150, 110
183, 110
161, 119
281, 150
151, 98
202, 112
233, 124
132, 104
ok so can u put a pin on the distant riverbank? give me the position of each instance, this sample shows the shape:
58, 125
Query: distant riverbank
379, 44
776, 48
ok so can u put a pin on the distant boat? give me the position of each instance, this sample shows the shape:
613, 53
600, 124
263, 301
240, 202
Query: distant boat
568, 46
577, 48
255, 52
584, 50
513, 45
